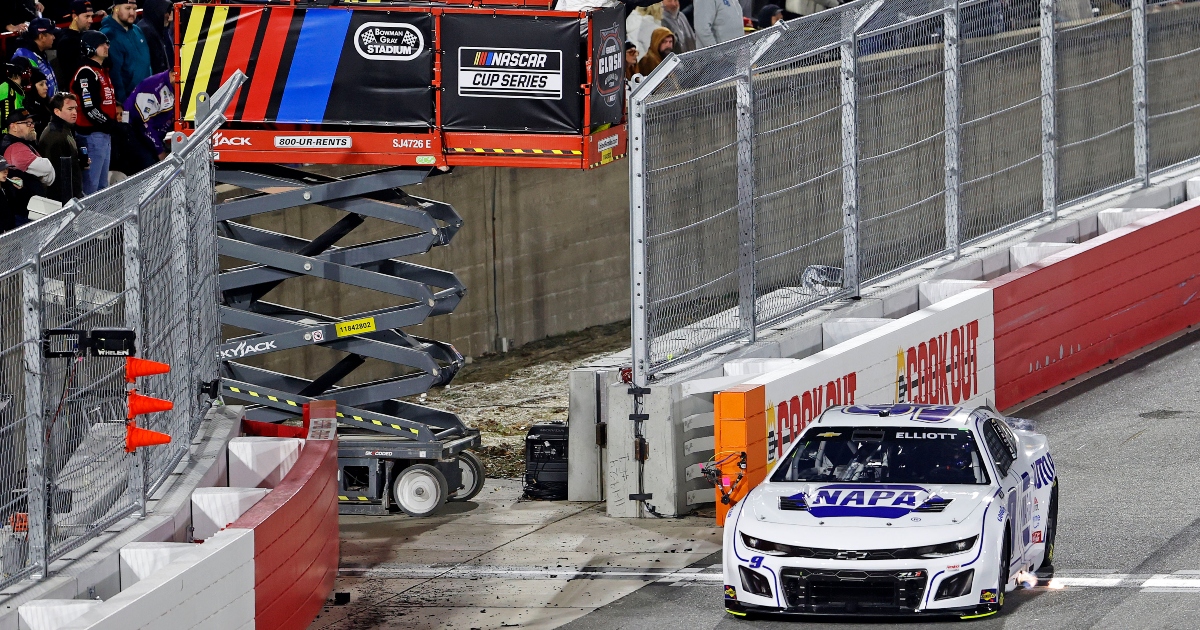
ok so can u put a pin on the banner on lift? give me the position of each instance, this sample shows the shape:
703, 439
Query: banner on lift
608, 66
511, 73
311, 65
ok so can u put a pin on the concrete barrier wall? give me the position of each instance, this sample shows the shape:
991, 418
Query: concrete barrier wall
1076, 310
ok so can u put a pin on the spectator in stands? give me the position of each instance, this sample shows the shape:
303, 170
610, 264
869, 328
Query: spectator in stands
11, 214
631, 60
662, 42
640, 24
15, 15
100, 111
37, 100
157, 16
809, 7
681, 28
717, 21
151, 110
129, 53
12, 92
58, 141
69, 44
19, 148
769, 15
37, 40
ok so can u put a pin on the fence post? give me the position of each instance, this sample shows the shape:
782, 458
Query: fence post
1141, 121
745, 197
849, 90
1049, 123
35, 433
953, 116
133, 320
638, 303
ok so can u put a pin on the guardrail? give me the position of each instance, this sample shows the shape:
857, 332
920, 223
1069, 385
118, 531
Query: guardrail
140, 255
782, 170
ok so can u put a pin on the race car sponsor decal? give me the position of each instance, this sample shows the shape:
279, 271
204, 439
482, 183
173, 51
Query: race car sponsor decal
1037, 520
1043, 471
988, 596
1037, 536
828, 434
787, 420
510, 73
927, 435
730, 592
863, 500
1000, 515
943, 370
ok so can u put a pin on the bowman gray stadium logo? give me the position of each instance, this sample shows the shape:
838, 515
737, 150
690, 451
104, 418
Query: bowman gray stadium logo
389, 41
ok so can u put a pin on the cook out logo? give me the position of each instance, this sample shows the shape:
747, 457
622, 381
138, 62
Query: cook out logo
222, 140
941, 371
871, 501
389, 41
245, 349
787, 420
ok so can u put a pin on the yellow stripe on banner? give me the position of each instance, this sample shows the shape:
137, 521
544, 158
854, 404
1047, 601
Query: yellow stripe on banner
190, 39
207, 58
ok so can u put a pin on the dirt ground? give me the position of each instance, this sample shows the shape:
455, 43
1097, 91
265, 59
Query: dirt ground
503, 394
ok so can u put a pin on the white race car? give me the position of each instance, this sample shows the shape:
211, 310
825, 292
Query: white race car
894, 510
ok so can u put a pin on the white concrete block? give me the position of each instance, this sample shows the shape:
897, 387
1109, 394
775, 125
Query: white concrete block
1114, 218
52, 614
140, 559
1029, 253
746, 367
836, 331
934, 291
261, 462
1193, 188
215, 508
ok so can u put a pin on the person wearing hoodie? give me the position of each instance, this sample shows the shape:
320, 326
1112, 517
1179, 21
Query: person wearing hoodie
717, 21
129, 53
37, 99
151, 110
99, 110
662, 42
156, 26
674, 19
38, 39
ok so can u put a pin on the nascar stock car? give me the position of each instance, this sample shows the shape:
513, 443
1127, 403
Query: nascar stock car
895, 510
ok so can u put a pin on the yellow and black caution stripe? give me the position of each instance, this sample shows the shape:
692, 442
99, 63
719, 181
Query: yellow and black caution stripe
340, 415
516, 151
352, 499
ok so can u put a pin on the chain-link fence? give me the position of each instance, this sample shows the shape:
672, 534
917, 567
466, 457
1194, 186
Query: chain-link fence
140, 255
781, 170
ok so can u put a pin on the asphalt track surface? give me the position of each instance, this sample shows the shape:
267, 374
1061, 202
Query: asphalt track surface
1127, 448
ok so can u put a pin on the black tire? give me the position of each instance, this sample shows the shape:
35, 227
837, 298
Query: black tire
420, 490
1005, 560
472, 476
1047, 567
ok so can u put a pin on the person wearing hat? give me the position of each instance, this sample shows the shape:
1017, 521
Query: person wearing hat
12, 91
129, 54
38, 39
769, 15
58, 141
98, 109
68, 44
157, 16
19, 148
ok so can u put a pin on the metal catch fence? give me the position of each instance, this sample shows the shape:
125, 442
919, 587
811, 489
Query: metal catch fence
778, 171
140, 255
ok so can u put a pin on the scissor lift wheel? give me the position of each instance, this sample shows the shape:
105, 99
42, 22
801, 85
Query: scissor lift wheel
471, 469
420, 490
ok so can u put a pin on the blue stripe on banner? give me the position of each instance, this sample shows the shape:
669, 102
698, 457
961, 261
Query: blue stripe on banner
314, 63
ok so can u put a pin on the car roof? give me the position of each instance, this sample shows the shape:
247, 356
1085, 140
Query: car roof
900, 415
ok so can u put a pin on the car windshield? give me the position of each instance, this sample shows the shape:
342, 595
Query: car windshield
884, 454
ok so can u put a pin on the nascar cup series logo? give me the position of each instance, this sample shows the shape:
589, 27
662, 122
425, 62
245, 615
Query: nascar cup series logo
510, 73
389, 41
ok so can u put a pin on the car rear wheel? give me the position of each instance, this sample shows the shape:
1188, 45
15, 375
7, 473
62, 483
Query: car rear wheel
1047, 568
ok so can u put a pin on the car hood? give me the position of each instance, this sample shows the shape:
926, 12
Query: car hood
864, 504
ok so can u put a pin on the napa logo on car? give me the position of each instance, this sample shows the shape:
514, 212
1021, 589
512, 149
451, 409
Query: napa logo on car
389, 41
865, 500
510, 73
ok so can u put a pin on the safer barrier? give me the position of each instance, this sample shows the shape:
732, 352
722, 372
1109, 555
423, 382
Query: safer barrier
1005, 342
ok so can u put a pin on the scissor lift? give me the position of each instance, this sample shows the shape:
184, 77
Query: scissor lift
418, 88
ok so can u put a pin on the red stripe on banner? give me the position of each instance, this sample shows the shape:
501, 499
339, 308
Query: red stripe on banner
1071, 313
244, 29
263, 81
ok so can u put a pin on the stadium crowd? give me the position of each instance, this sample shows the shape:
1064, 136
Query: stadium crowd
86, 97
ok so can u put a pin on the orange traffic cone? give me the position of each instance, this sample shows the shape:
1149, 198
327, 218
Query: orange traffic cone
135, 367
139, 404
136, 437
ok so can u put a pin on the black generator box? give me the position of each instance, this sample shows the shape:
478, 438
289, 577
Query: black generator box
546, 461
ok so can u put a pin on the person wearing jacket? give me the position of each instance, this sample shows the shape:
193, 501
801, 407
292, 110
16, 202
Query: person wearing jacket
37, 99
12, 92
38, 39
152, 116
16, 14
99, 110
58, 141
156, 26
129, 53
662, 42
69, 44
717, 21
19, 148
674, 19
